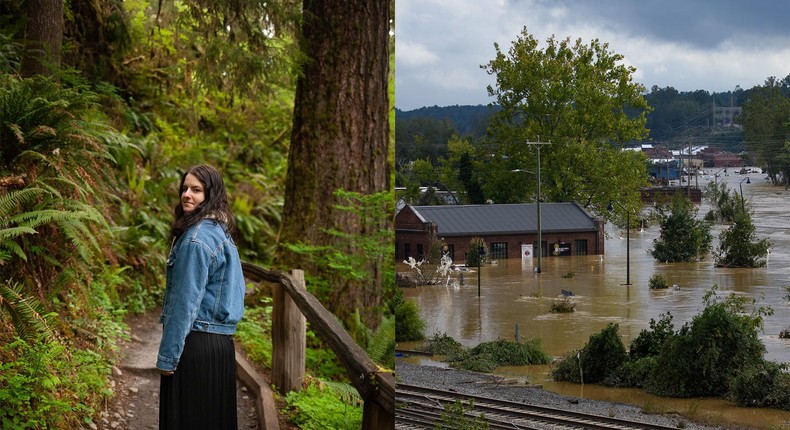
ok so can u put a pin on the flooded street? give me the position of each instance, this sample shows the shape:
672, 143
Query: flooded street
511, 295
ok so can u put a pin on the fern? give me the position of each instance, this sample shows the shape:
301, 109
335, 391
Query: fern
381, 345
28, 316
73, 220
9, 201
345, 391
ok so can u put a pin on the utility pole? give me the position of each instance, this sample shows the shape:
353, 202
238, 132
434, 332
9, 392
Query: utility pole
540, 239
689, 168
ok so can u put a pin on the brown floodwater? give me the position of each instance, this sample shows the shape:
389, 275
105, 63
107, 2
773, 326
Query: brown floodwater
512, 295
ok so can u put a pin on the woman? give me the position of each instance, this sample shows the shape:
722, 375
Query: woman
204, 299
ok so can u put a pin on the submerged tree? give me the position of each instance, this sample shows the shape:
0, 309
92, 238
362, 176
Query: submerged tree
682, 237
739, 246
724, 204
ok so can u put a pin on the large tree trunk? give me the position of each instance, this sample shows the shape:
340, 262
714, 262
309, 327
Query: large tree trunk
340, 139
43, 37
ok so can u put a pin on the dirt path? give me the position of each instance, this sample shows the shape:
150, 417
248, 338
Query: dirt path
136, 383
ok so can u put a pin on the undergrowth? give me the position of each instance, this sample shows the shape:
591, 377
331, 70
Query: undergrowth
324, 406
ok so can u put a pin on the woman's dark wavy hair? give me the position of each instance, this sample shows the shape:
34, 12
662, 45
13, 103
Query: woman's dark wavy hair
214, 205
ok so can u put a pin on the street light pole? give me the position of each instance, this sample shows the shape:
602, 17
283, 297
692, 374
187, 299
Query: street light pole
538, 269
627, 241
628, 248
743, 207
540, 241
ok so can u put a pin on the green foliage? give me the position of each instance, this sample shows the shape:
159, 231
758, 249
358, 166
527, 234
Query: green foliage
442, 344
682, 237
705, 354
764, 384
29, 317
582, 99
54, 145
408, 323
254, 332
369, 249
632, 373
317, 407
473, 252
381, 344
563, 306
598, 359
739, 246
658, 282
764, 120
487, 356
458, 417
321, 361
725, 204
46, 386
603, 353
650, 341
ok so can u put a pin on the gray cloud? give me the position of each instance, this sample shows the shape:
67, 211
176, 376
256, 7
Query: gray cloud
689, 45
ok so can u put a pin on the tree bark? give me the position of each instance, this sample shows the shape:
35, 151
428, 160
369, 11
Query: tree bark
340, 138
43, 37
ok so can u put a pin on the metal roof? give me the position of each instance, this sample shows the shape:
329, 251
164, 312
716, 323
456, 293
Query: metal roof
465, 220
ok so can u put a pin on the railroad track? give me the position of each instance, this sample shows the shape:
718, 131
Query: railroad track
420, 408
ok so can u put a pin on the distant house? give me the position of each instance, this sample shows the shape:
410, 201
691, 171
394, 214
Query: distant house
714, 157
566, 229
727, 159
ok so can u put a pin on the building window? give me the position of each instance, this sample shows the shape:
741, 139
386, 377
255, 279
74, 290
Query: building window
580, 247
420, 255
498, 250
406, 251
542, 248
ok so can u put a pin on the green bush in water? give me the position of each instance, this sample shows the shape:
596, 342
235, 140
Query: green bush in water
704, 356
442, 344
649, 342
489, 355
657, 282
765, 385
408, 324
599, 358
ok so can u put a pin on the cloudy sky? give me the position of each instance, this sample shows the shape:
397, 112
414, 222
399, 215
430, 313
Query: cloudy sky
685, 44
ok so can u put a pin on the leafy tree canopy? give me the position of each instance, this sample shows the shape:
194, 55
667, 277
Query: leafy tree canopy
574, 95
682, 237
739, 246
766, 123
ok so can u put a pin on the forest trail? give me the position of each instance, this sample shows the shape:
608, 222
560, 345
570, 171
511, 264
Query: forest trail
135, 381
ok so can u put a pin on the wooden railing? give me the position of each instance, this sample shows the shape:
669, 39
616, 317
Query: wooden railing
291, 305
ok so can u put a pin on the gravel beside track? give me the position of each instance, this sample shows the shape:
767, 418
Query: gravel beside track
473, 383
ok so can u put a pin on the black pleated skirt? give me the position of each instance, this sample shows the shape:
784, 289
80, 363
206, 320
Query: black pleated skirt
201, 394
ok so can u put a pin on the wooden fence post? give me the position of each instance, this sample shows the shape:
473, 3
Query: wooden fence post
288, 338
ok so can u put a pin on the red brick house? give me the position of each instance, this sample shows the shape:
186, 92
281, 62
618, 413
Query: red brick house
566, 229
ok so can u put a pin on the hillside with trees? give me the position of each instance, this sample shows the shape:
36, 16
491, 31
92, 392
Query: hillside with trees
754, 121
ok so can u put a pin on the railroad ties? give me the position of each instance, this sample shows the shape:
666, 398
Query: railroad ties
421, 408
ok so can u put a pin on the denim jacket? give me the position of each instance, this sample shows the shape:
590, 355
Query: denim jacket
204, 290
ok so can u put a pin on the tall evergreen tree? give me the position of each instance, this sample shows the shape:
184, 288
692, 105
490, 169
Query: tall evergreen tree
340, 141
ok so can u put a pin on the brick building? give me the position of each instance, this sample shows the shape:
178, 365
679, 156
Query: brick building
566, 229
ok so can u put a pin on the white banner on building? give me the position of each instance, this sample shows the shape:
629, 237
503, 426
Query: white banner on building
526, 251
